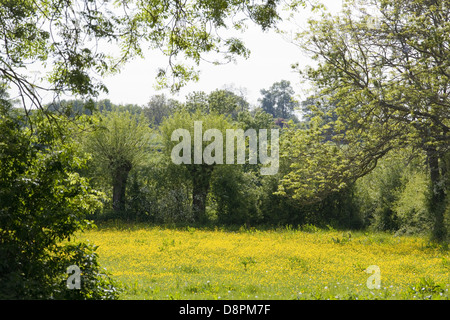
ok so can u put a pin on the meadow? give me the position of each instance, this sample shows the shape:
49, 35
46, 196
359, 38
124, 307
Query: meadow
150, 262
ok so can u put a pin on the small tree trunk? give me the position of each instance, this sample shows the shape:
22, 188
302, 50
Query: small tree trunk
437, 202
201, 176
120, 178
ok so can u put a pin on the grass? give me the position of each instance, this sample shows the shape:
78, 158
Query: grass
169, 263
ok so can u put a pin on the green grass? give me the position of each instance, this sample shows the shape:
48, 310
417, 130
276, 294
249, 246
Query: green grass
169, 263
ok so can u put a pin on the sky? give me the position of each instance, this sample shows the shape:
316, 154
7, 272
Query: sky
270, 61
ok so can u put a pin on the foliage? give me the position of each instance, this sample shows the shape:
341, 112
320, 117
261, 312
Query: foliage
255, 119
119, 134
161, 192
235, 196
388, 81
227, 103
95, 282
119, 142
158, 108
224, 102
76, 108
394, 196
276, 209
317, 168
43, 201
200, 174
279, 101
411, 207
379, 191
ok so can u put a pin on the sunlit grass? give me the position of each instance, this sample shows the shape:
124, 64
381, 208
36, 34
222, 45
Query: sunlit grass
169, 263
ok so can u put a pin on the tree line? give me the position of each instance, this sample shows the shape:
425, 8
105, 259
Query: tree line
130, 147
131, 165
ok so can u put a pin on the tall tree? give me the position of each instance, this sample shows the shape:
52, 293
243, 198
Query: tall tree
219, 101
279, 100
158, 108
386, 66
227, 102
196, 142
119, 143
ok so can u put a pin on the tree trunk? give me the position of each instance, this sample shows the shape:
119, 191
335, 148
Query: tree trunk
437, 202
120, 178
201, 176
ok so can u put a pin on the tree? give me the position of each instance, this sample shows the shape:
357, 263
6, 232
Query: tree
158, 108
65, 40
196, 101
120, 143
389, 79
227, 102
278, 100
219, 101
201, 172
394, 195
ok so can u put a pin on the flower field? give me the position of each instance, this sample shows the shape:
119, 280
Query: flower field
188, 263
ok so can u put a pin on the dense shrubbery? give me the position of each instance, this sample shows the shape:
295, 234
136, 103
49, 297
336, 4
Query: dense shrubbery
395, 195
44, 201
235, 196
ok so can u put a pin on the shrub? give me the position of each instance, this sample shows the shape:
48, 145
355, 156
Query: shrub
394, 196
378, 192
43, 202
411, 206
234, 194
96, 283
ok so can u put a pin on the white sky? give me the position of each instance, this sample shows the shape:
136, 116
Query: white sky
270, 61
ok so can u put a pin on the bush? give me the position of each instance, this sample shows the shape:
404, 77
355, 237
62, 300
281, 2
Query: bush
378, 191
234, 195
43, 202
411, 206
339, 209
394, 196
96, 283
277, 209
170, 191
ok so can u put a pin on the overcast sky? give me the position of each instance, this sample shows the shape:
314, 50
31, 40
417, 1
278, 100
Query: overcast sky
270, 61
